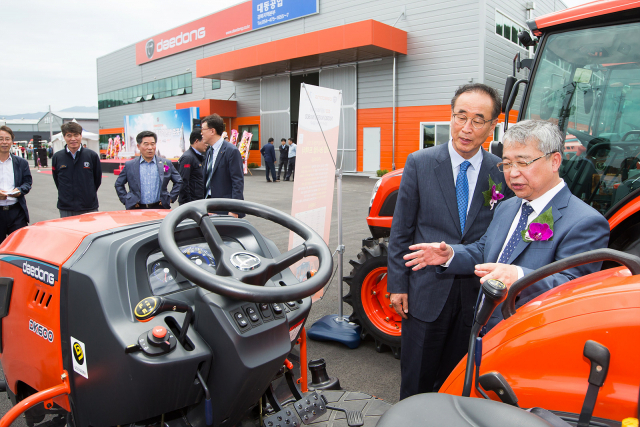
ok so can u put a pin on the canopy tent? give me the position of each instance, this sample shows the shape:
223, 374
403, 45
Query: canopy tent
91, 139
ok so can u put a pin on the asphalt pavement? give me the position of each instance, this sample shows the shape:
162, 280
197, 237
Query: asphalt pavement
361, 369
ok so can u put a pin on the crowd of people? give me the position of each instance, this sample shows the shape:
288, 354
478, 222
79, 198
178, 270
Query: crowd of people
287, 159
211, 168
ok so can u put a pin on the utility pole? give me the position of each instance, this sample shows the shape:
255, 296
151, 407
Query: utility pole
50, 125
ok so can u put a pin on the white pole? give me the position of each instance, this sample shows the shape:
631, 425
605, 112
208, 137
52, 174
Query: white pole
50, 125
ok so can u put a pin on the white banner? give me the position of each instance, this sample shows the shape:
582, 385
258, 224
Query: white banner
312, 203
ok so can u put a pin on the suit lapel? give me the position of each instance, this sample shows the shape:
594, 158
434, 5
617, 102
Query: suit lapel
160, 166
135, 178
558, 202
478, 198
16, 171
444, 174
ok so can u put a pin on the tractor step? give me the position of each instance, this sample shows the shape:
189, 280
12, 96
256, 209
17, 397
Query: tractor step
363, 408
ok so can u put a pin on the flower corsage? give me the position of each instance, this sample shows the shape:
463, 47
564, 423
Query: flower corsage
541, 229
166, 167
493, 194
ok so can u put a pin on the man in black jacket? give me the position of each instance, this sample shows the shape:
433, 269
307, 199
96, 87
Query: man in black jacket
191, 168
15, 182
269, 154
284, 157
77, 173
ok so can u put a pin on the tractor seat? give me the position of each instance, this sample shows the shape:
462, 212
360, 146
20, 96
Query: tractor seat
436, 409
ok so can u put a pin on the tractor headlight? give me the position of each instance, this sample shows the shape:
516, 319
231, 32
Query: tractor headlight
373, 193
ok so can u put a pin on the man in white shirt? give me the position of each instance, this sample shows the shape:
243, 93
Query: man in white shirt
543, 224
291, 168
15, 182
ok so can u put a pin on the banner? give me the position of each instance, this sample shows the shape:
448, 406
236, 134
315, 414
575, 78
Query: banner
173, 128
238, 19
315, 169
244, 146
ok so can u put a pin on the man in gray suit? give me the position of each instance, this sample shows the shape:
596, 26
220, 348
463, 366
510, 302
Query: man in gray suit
148, 178
543, 224
442, 197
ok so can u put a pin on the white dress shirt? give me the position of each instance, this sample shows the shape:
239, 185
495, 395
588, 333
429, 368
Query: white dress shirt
73, 154
7, 181
472, 172
216, 150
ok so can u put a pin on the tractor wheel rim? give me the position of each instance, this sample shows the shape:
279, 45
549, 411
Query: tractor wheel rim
376, 303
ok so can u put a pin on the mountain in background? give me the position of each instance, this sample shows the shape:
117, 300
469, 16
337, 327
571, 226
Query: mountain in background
40, 115
81, 109
23, 116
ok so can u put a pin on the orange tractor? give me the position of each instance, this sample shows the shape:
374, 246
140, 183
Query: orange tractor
585, 77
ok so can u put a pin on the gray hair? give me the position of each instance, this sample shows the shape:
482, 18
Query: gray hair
547, 135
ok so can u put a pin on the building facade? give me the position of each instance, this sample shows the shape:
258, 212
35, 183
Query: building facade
397, 64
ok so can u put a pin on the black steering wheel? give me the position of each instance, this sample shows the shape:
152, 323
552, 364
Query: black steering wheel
242, 274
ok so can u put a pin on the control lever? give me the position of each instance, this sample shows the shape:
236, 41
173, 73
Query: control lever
492, 293
599, 356
150, 307
354, 418
208, 406
495, 382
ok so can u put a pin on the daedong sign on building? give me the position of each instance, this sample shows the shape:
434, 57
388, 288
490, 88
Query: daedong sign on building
239, 19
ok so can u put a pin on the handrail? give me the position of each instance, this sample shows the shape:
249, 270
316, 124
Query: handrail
34, 399
632, 262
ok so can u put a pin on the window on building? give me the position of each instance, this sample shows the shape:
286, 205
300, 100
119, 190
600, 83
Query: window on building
432, 134
508, 28
157, 89
215, 84
255, 139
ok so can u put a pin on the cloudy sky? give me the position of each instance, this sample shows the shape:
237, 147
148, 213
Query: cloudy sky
49, 49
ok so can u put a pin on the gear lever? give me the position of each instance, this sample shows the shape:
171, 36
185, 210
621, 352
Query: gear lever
150, 307
599, 356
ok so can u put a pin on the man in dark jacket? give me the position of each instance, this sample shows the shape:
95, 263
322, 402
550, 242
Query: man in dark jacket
284, 157
224, 177
148, 177
191, 168
269, 154
77, 173
15, 182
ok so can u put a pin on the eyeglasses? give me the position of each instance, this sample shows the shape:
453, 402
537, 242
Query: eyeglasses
506, 167
476, 122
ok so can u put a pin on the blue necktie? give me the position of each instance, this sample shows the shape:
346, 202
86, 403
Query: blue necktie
517, 234
462, 193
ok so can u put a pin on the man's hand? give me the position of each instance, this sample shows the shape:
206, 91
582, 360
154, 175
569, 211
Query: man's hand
3, 195
235, 215
428, 254
505, 273
160, 202
400, 303
15, 193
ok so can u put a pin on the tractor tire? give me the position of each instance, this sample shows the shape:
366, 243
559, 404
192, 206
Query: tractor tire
369, 297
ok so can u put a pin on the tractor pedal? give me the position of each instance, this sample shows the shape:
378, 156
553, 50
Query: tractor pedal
310, 407
354, 418
287, 417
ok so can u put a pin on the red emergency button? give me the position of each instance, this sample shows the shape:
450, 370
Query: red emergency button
159, 332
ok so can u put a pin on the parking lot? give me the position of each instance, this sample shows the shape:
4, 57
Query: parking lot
361, 369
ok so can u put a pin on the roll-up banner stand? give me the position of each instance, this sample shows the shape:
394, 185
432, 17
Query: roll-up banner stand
316, 172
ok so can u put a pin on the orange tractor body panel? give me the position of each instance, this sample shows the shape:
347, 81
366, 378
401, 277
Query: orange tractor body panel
48, 244
547, 336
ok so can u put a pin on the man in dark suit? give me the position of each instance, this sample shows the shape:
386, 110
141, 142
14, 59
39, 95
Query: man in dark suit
15, 182
284, 157
191, 168
442, 194
543, 224
223, 177
148, 177
269, 154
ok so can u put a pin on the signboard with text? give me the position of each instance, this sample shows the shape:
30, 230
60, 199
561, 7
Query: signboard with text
239, 19
312, 203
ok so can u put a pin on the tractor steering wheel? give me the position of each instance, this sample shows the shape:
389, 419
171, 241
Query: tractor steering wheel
242, 274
